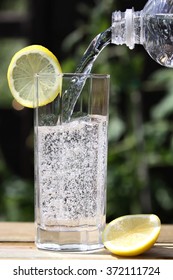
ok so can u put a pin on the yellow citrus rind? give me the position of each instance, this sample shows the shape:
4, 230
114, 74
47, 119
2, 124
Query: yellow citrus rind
131, 235
25, 66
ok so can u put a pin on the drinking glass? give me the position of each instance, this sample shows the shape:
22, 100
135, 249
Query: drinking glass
71, 165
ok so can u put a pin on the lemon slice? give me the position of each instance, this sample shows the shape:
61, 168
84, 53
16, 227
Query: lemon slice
22, 70
131, 235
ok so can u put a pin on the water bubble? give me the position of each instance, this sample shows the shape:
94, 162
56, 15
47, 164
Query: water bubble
74, 80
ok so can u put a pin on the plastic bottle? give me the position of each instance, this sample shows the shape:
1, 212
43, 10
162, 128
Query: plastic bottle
152, 27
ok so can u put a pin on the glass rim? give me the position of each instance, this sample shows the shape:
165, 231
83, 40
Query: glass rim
70, 75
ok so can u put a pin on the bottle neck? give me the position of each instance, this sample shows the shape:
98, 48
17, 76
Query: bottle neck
127, 28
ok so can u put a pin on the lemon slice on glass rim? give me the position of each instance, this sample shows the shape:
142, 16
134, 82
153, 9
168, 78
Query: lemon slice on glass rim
22, 72
131, 235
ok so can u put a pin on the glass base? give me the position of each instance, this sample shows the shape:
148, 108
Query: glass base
78, 240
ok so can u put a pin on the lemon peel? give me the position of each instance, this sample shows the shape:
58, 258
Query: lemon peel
25, 65
131, 235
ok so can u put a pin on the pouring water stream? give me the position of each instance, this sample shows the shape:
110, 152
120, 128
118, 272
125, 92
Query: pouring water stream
70, 96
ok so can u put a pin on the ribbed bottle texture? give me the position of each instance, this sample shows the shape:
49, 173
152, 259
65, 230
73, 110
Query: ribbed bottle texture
152, 27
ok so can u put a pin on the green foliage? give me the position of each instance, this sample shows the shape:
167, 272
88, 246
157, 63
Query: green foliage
140, 161
139, 145
17, 5
162, 79
18, 199
16, 194
8, 48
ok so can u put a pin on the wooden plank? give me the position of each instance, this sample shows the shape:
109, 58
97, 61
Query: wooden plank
19, 232
17, 242
26, 251
15, 231
29, 251
166, 234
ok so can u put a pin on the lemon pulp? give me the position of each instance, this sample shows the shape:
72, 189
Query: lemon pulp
132, 234
23, 68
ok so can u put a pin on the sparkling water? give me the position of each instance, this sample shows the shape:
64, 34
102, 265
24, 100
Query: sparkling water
71, 156
72, 160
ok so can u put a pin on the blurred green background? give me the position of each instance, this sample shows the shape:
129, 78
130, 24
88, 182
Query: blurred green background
140, 160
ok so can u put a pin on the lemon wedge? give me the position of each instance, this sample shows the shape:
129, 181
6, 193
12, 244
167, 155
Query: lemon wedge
131, 235
22, 70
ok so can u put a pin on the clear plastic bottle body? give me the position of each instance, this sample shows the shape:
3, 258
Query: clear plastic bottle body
152, 27
158, 38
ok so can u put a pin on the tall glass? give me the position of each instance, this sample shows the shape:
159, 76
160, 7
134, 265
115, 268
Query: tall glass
71, 167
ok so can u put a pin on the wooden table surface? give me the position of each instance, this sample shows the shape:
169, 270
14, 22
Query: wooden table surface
17, 242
